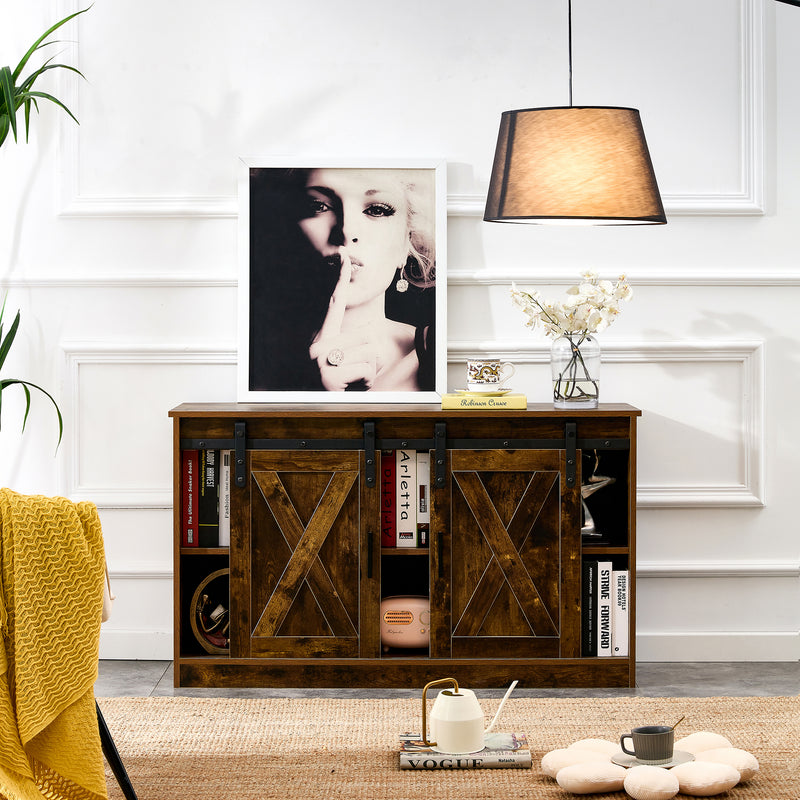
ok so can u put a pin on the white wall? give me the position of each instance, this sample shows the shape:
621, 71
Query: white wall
118, 242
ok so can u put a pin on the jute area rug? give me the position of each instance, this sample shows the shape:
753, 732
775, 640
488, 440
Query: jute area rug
304, 749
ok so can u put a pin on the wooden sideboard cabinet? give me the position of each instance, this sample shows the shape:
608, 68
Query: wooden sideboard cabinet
305, 571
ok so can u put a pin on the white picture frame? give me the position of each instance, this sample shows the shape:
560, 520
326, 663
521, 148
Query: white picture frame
307, 227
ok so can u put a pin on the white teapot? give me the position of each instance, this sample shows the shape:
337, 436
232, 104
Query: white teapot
456, 719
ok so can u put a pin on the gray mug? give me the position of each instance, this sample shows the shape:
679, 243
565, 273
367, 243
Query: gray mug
652, 744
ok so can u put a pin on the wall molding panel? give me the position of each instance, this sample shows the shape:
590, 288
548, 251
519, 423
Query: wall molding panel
140, 570
713, 645
550, 274
717, 569
80, 355
749, 199
113, 279
658, 276
748, 355
746, 200
135, 644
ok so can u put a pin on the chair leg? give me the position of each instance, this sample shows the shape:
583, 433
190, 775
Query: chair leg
113, 758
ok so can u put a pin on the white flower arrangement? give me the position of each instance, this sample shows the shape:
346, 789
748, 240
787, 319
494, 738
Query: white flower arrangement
590, 307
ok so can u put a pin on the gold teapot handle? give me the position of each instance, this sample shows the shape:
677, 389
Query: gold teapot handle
425, 706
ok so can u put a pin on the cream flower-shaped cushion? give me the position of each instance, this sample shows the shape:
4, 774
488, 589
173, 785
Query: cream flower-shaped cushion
746, 764
705, 778
695, 743
554, 761
650, 783
591, 777
601, 745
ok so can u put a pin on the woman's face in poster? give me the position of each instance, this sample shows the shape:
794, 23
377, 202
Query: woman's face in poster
363, 214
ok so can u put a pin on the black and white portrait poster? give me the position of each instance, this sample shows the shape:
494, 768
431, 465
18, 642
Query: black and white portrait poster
342, 282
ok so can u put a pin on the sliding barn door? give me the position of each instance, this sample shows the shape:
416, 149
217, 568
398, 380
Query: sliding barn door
296, 556
507, 559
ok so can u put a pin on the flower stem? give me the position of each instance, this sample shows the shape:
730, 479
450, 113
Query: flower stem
568, 384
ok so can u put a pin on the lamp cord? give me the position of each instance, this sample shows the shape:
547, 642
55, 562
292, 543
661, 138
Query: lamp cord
569, 25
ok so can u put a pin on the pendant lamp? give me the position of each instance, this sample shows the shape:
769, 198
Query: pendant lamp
575, 165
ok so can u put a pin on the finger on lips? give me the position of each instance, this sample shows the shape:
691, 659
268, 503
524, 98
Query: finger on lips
332, 324
343, 358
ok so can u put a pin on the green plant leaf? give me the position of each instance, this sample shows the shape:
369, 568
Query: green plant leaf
30, 97
5, 346
27, 405
40, 42
28, 119
6, 382
29, 81
7, 91
5, 343
13, 96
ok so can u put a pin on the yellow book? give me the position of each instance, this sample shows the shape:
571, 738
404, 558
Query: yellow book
479, 402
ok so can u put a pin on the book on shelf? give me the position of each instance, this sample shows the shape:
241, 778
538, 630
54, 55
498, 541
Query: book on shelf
423, 497
604, 570
208, 498
589, 609
406, 503
225, 457
189, 469
388, 494
502, 751
619, 612
472, 402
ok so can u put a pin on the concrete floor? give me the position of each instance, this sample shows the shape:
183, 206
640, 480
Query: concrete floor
739, 679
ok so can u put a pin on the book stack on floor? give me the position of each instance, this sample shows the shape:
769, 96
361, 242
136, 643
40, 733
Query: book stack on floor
206, 482
502, 751
405, 498
604, 610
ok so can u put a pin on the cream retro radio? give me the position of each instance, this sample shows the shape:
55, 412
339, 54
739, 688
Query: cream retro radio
405, 621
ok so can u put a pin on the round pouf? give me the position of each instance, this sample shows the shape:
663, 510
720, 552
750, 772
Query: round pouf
695, 743
591, 777
705, 778
650, 783
554, 761
600, 745
746, 764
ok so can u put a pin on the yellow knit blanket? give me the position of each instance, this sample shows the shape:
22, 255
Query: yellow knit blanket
52, 568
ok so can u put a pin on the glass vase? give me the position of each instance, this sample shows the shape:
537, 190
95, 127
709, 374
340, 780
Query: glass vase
575, 365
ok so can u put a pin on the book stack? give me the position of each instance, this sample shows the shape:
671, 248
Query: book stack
489, 401
206, 501
604, 610
502, 751
405, 498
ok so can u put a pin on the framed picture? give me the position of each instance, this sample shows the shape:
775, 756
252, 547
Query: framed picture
342, 288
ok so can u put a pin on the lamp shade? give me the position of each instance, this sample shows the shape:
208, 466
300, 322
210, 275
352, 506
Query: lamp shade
573, 165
